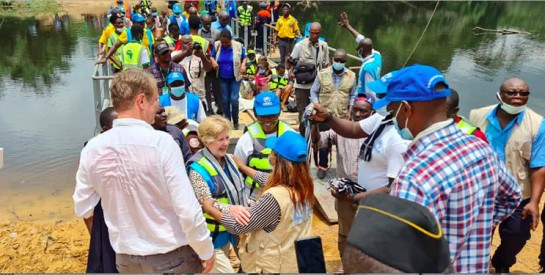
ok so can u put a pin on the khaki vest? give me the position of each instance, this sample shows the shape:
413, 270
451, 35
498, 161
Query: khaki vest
308, 56
237, 54
518, 149
336, 100
274, 252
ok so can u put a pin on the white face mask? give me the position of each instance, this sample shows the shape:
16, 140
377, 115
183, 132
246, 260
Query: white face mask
119, 29
510, 109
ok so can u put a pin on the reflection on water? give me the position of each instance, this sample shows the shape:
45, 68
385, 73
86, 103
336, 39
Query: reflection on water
46, 94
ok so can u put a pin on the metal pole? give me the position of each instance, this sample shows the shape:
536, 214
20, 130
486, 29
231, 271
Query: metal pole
265, 52
246, 37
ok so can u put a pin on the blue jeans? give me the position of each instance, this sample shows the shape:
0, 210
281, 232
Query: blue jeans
230, 88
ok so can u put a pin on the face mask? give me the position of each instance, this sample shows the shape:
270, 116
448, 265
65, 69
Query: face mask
510, 109
177, 91
382, 111
154, 14
251, 60
177, 15
405, 133
337, 66
119, 29
262, 71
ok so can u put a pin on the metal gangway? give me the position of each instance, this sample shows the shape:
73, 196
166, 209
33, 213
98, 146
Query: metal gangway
102, 80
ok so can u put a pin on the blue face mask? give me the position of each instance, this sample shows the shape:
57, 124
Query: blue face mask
262, 71
338, 66
154, 14
177, 91
405, 133
382, 111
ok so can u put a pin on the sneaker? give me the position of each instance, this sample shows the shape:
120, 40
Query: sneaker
502, 270
235, 126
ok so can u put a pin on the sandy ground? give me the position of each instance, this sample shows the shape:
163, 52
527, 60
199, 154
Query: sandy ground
60, 244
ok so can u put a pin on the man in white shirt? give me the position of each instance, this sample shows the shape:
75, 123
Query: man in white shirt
155, 222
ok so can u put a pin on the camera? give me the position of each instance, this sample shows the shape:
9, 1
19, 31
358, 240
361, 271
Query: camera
197, 46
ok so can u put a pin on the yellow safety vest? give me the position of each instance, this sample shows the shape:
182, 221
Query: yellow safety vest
251, 69
466, 127
245, 15
131, 55
259, 158
117, 55
278, 82
213, 226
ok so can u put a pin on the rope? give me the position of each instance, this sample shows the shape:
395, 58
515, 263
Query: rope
422, 35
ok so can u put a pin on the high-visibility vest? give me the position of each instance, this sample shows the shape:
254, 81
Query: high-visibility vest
151, 40
466, 127
117, 54
212, 179
278, 82
245, 16
259, 158
131, 55
251, 69
146, 4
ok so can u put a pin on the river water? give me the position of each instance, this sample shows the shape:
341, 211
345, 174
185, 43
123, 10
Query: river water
46, 100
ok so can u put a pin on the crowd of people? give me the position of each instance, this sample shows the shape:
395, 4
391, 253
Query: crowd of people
418, 188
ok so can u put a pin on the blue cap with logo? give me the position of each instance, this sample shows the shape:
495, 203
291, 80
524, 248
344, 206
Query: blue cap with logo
176, 8
414, 83
380, 86
267, 103
175, 76
136, 17
290, 145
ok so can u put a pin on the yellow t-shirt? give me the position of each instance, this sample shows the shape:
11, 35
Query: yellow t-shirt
107, 32
286, 28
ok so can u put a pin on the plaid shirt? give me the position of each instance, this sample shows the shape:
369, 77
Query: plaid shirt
155, 70
465, 185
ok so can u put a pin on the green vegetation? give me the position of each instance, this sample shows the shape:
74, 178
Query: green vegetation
27, 8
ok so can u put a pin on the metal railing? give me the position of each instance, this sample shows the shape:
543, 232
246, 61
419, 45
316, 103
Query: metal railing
102, 79
267, 40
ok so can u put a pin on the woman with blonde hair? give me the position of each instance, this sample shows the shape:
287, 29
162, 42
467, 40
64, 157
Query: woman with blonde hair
281, 214
214, 175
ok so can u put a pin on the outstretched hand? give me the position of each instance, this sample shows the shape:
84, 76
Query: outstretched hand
321, 113
344, 20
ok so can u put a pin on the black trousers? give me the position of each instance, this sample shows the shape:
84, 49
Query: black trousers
542, 251
101, 257
323, 152
514, 233
212, 86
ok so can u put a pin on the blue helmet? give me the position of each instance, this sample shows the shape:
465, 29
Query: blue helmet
136, 17
176, 8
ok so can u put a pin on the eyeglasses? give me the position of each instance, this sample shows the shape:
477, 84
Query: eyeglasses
521, 94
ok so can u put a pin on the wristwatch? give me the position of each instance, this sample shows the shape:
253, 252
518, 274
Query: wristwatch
329, 117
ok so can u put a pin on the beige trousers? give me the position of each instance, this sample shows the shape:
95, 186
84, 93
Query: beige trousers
222, 264
346, 211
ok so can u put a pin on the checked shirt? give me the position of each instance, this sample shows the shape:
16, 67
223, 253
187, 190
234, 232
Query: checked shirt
465, 185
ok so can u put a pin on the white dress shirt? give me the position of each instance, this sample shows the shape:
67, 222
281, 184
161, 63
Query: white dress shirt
149, 204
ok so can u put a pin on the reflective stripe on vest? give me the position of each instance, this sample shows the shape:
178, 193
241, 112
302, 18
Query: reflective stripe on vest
259, 159
131, 55
278, 82
466, 127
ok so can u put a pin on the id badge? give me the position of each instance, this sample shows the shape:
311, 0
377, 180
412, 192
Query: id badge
165, 90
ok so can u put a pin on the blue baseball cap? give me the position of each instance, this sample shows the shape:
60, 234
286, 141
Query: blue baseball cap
380, 86
267, 103
290, 145
176, 8
175, 76
136, 17
414, 83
